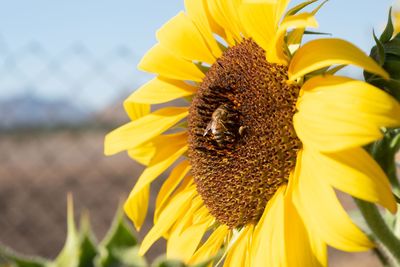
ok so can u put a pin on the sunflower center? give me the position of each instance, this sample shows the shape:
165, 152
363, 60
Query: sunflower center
242, 144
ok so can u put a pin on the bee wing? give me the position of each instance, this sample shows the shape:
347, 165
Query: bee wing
208, 128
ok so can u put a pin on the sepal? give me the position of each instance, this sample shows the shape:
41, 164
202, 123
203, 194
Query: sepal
387, 53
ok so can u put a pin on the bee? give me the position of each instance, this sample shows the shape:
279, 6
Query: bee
223, 124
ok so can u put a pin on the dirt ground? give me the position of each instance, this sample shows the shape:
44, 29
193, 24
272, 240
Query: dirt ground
37, 171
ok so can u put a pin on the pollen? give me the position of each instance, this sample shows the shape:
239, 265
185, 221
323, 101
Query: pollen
240, 159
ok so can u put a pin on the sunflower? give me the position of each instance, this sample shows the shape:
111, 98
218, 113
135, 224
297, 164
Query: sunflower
397, 21
267, 135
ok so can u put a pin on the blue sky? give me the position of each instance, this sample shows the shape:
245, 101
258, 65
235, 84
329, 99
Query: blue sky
102, 25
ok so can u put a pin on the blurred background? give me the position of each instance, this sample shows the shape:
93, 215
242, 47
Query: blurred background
65, 67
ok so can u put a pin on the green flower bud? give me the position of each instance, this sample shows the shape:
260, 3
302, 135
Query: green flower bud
387, 53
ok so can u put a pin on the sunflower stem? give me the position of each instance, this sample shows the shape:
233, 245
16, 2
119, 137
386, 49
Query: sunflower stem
381, 231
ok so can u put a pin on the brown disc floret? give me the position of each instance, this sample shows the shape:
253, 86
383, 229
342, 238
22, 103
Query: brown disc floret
240, 159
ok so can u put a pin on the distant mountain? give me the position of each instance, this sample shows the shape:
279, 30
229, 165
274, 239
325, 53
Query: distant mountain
113, 113
31, 111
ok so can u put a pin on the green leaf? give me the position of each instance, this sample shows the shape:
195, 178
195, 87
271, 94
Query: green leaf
317, 72
163, 262
393, 67
378, 52
10, 258
294, 10
80, 248
384, 152
388, 32
202, 67
299, 7
397, 198
387, 54
318, 7
69, 255
119, 247
189, 98
88, 249
316, 33
391, 86
357, 217
202, 264
335, 69
181, 125
129, 257
286, 50
393, 47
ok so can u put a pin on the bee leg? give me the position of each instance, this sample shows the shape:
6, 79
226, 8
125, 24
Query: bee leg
229, 133
224, 126
207, 130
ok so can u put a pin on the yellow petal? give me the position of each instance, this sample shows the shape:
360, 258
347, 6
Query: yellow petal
396, 25
143, 153
170, 149
258, 20
176, 176
136, 110
167, 149
161, 90
337, 113
319, 207
354, 171
181, 36
280, 9
183, 242
136, 207
211, 246
187, 219
270, 230
396, 22
202, 214
299, 245
315, 248
225, 17
301, 21
215, 27
184, 248
160, 61
325, 52
319, 249
239, 253
295, 36
185, 183
231, 14
175, 209
294, 39
142, 130
197, 12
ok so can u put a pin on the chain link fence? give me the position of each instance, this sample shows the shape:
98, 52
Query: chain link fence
54, 113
